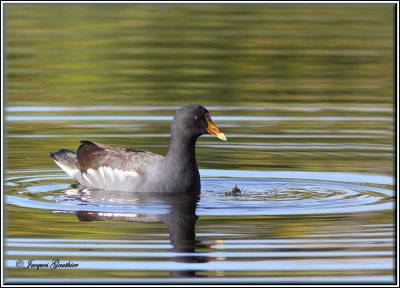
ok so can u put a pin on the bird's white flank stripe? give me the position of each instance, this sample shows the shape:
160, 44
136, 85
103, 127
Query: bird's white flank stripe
108, 178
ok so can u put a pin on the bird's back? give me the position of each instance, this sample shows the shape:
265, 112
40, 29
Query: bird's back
106, 167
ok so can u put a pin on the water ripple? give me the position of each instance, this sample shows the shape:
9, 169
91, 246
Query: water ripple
14, 118
263, 193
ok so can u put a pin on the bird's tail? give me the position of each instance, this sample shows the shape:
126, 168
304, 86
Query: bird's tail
67, 161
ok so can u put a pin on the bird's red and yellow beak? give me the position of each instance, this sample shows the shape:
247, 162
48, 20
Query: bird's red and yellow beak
213, 130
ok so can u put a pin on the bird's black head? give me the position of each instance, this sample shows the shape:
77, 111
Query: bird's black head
194, 120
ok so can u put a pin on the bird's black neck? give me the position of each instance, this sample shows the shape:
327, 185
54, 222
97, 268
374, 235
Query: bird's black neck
182, 150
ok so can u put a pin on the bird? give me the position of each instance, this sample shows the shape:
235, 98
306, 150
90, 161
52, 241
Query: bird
114, 168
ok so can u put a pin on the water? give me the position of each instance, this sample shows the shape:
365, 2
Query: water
303, 93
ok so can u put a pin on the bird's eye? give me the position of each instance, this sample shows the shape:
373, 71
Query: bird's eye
197, 118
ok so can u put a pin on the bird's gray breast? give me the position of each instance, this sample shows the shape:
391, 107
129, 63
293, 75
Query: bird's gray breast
162, 177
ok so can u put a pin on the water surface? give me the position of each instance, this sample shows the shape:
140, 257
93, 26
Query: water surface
303, 93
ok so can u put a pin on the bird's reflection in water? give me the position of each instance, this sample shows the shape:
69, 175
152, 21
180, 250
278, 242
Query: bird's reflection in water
180, 219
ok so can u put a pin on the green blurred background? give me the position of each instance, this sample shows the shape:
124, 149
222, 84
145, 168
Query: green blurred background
244, 54
307, 61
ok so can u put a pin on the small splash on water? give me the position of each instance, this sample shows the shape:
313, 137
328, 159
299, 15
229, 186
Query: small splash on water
236, 191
